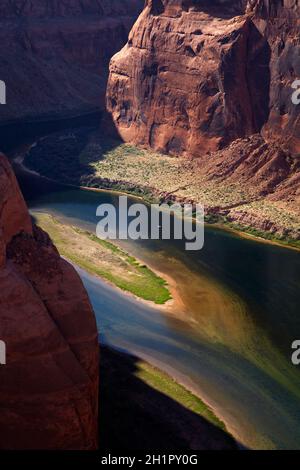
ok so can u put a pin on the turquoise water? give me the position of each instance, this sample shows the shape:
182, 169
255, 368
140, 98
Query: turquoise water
232, 340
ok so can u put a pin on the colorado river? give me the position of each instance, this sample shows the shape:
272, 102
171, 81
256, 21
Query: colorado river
231, 341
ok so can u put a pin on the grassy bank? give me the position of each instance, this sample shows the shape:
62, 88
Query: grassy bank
223, 223
105, 259
143, 408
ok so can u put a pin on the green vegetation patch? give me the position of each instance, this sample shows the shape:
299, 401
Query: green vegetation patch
84, 157
105, 259
163, 383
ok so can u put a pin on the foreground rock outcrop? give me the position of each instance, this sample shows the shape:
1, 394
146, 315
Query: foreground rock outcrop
213, 80
54, 55
49, 385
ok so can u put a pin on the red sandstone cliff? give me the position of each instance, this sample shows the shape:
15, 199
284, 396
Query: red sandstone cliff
49, 386
195, 75
213, 80
54, 54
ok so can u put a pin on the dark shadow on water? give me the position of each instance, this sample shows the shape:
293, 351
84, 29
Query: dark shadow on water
67, 156
133, 415
32, 184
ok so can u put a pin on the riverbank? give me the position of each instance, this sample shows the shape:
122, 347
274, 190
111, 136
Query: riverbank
105, 260
86, 159
132, 395
215, 221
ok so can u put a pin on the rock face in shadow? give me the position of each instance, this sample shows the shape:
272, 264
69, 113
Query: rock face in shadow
49, 385
196, 75
54, 54
278, 21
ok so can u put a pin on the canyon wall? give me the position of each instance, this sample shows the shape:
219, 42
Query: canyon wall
54, 54
49, 385
212, 81
196, 75
279, 22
